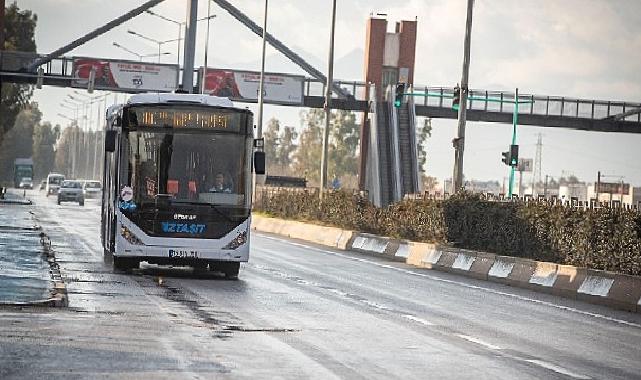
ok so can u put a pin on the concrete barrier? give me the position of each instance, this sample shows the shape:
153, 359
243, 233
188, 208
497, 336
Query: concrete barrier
568, 280
481, 266
544, 276
601, 287
625, 292
463, 262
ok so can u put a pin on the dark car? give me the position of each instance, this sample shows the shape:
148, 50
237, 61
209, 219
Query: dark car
71, 191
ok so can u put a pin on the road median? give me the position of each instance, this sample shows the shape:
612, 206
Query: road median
594, 286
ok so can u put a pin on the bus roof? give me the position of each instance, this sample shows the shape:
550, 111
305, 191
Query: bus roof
172, 98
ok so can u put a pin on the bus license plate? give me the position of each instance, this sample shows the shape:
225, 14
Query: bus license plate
183, 253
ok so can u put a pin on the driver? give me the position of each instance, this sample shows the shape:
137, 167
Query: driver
220, 186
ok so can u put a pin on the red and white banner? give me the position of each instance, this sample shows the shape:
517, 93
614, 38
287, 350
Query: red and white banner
243, 85
125, 75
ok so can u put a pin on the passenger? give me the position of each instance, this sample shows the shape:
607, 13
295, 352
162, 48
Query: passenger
220, 186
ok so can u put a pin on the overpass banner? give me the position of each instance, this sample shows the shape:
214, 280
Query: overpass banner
243, 85
114, 75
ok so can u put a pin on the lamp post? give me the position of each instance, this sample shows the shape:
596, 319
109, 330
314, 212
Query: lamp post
160, 43
261, 90
180, 28
140, 56
327, 106
209, 17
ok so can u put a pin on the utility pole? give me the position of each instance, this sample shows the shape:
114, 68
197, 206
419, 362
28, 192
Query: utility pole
328, 103
536, 175
190, 46
261, 84
459, 141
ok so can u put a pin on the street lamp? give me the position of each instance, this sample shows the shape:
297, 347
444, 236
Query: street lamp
209, 17
180, 27
160, 43
140, 56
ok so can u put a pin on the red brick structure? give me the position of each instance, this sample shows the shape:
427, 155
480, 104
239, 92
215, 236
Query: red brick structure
389, 59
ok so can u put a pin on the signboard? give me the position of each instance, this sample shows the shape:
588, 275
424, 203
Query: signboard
243, 85
117, 75
525, 164
185, 117
612, 188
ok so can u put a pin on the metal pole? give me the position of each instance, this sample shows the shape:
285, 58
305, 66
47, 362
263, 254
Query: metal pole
190, 46
328, 103
261, 89
459, 142
515, 120
202, 85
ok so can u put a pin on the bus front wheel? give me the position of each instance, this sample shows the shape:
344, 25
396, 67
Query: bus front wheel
125, 263
231, 270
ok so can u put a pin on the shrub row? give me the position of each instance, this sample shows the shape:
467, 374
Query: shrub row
604, 238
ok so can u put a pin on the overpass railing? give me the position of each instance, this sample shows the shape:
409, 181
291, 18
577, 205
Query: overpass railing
559, 106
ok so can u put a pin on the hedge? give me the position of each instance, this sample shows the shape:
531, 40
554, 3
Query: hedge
600, 238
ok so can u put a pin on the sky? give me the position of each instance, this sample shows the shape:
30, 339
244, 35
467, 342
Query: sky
588, 49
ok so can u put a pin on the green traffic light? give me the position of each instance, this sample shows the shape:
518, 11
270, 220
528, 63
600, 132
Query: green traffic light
397, 103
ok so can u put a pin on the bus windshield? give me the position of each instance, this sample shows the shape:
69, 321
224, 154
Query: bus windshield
194, 168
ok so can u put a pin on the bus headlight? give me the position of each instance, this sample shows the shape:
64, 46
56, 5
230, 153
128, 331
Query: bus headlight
129, 236
237, 242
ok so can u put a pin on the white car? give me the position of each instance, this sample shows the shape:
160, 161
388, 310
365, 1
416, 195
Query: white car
53, 183
91, 189
71, 191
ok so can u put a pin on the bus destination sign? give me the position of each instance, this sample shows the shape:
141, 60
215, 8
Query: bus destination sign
184, 118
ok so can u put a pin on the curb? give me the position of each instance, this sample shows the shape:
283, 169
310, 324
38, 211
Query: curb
593, 286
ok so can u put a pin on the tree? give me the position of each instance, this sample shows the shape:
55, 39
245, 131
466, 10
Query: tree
344, 143
428, 183
64, 149
18, 141
286, 148
308, 154
271, 144
44, 139
19, 36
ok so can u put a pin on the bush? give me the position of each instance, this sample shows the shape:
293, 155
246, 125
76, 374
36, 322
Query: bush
604, 238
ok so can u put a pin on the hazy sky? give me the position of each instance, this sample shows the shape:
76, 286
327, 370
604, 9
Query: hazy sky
575, 48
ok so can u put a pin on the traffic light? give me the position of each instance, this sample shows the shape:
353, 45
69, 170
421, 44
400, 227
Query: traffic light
400, 90
514, 155
457, 97
506, 158
511, 157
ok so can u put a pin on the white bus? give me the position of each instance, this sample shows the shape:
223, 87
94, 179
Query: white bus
177, 182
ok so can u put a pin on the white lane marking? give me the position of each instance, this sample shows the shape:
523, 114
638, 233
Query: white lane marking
596, 286
463, 262
478, 341
417, 319
557, 369
453, 282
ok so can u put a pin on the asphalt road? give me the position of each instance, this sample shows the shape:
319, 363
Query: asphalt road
301, 311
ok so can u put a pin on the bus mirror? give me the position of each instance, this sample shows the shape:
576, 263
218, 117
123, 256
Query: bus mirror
110, 141
259, 162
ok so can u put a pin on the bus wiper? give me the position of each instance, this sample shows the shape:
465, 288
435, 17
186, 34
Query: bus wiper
214, 207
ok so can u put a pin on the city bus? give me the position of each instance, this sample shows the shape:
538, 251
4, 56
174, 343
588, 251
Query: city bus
177, 185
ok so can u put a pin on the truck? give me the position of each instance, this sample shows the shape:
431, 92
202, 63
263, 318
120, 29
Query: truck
22, 168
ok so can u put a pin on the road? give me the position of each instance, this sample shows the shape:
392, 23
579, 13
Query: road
300, 311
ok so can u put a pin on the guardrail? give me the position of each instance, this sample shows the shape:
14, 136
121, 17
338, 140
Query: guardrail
543, 105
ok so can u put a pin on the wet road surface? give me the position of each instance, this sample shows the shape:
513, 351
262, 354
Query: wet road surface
300, 311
